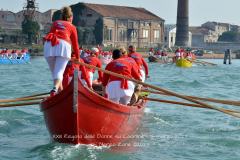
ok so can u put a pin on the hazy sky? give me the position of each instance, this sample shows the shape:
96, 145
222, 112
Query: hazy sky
200, 11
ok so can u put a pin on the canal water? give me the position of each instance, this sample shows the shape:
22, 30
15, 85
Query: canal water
167, 132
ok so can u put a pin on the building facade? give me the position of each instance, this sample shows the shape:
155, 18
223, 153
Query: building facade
111, 25
170, 36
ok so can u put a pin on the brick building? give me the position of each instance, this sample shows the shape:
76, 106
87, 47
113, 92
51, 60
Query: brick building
111, 25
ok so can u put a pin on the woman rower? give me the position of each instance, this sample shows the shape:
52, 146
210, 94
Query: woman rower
140, 62
58, 45
94, 61
117, 89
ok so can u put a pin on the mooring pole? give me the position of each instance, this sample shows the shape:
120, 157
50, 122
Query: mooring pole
227, 56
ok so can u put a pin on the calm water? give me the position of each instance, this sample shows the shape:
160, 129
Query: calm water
168, 132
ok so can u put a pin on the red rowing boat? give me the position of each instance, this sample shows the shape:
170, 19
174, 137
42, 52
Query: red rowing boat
78, 115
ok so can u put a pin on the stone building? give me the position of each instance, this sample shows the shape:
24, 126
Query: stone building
111, 25
170, 36
210, 32
11, 24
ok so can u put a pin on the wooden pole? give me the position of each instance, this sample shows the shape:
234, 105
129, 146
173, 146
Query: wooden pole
230, 102
188, 104
19, 104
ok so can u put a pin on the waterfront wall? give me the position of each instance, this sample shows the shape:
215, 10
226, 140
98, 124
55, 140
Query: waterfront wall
220, 47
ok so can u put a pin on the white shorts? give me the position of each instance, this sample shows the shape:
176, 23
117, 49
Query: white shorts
114, 90
62, 49
143, 75
57, 66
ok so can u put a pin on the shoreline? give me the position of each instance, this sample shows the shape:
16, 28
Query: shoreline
205, 56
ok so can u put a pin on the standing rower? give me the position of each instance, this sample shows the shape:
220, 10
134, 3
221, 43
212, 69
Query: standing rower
140, 61
58, 47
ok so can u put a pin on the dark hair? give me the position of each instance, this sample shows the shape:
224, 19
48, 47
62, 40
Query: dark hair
66, 13
116, 54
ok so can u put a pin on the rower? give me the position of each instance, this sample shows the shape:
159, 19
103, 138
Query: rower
164, 55
189, 55
14, 54
151, 51
124, 54
117, 89
69, 72
179, 53
140, 61
94, 61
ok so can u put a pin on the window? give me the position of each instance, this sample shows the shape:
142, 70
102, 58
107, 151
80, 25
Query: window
122, 34
108, 34
145, 33
156, 34
89, 15
132, 34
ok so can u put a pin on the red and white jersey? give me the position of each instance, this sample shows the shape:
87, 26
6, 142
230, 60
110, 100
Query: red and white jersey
123, 67
139, 60
69, 71
94, 61
66, 31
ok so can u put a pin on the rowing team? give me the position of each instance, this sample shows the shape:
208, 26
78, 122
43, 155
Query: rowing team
186, 54
12, 54
61, 45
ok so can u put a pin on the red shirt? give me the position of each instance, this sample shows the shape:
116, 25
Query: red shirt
123, 67
69, 71
94, 61
66, 31
133, 62
139, 60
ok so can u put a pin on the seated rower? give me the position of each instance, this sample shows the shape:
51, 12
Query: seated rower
94, 61
69, 72
117, 89
179, 53
2, 53
14, 54
189, 55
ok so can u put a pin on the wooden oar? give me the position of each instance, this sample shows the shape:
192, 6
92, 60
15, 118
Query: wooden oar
21, 99
157, 88
229, 102
31, 97
19, 104
186, 104
204, 62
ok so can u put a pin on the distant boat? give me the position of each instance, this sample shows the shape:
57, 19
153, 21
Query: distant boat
18, 60
182, 62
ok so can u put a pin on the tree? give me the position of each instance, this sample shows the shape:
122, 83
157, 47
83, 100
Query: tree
98, 31
229, 36
31, 28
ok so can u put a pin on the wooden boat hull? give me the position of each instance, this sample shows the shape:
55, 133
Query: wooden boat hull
93, 120
23, 60
153, 59
183, 63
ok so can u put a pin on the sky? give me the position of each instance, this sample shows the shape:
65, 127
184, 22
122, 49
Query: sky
200, 11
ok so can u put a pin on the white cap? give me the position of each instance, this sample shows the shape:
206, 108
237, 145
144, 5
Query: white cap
94, 50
